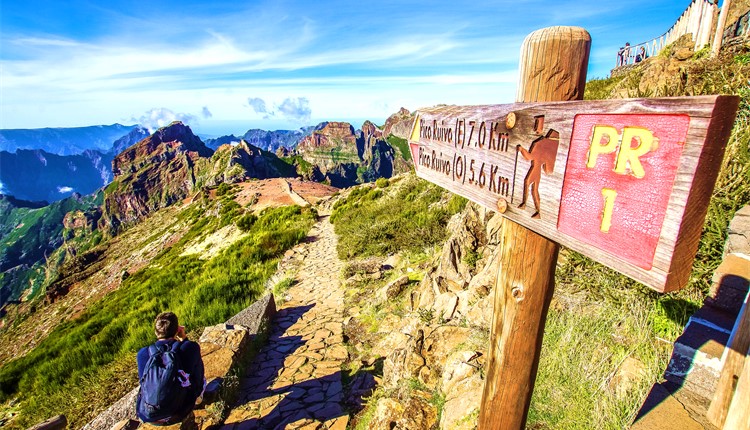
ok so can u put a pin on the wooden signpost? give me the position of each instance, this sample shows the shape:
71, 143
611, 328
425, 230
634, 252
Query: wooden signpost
625, 182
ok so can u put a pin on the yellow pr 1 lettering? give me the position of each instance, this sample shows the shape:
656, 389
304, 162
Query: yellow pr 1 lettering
596, 148
628, 156
609, 204
627, 160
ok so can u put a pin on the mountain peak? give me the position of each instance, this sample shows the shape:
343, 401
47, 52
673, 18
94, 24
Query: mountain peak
164, 143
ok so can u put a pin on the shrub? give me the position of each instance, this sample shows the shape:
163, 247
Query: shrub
381, 182
245, 223
223, 189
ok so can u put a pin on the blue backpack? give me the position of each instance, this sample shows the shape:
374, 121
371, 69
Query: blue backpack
164, 385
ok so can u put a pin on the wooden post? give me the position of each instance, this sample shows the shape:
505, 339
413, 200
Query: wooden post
738, 417
552, 68
734, 360
719, 36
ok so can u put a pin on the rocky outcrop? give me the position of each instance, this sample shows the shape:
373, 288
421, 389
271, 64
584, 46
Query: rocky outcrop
415, 412
242, 161
167, 143
154, 173
367, 138
660, 72
344, 157
329, 135
399, 124
82, 220
440, 343
466, 271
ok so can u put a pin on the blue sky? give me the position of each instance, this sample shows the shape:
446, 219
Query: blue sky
228, 66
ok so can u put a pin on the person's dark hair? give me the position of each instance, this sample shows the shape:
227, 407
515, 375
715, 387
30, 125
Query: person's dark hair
165, 325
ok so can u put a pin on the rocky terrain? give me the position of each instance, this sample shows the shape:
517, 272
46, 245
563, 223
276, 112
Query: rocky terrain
344, 157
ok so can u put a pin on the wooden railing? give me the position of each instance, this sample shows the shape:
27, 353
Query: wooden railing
698, 19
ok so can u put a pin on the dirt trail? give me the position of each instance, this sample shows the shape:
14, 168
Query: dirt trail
295, 381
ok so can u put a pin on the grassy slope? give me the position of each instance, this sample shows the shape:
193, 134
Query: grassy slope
28, 236
87, 362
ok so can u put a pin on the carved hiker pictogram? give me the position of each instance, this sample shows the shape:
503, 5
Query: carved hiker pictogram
541, 153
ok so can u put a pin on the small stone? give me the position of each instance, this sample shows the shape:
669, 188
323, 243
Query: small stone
339, 423
337, 352
627, 376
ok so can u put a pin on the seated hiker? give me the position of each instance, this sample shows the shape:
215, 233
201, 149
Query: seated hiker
171, 374
641, 54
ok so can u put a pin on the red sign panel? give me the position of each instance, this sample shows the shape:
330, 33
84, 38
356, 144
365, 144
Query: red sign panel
618, 181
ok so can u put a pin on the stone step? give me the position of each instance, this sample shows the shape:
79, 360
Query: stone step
665, 410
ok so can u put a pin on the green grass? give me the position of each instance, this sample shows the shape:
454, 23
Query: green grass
411, 216
583, 345
301, 165
402, 145
27, 236
78, 353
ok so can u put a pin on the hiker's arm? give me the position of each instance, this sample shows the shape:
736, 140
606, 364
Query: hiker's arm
141, 359
197, 374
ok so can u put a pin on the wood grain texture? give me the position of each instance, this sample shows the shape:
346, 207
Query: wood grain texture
738, 417
734, 361
523, 291
471, 151
525, 281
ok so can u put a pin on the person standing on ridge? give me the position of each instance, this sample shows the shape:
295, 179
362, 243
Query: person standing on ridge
171, 375
622, 55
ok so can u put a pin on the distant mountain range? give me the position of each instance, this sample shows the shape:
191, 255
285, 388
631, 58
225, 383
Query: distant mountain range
42, 174
50, 164
64, 141
96, 195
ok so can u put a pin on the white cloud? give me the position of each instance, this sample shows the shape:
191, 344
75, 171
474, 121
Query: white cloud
296, 110
205, 113
64, 189
160, 117
3, 190
257, 104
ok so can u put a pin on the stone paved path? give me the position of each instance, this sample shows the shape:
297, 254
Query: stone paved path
295, 381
